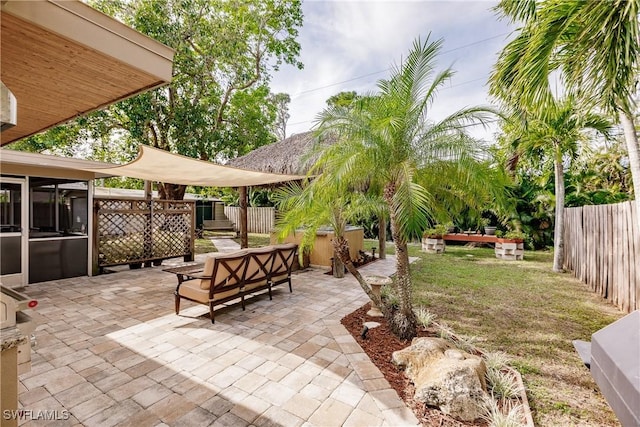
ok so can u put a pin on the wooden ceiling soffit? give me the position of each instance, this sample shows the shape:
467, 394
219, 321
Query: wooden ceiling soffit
63, 59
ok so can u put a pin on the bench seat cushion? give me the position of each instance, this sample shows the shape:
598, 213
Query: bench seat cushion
191, 289
255, 285
280, 277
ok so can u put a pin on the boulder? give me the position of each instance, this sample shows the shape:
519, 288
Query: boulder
445, 377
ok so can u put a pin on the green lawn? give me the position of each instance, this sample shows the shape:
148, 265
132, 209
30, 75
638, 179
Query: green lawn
203, 246
527, 311
256, 240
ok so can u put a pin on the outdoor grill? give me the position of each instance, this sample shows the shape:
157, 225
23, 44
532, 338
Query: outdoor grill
12, 304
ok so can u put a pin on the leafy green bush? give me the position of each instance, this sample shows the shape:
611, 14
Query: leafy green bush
515, 235
437, 231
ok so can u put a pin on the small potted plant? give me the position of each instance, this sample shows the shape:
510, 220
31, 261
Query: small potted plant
517, 236
436, 232
432, 240
489, 230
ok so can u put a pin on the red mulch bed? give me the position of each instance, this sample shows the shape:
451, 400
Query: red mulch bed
379, 345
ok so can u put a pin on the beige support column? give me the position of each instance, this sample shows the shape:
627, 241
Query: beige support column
11, 339
9, 385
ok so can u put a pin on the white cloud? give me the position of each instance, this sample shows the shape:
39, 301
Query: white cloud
349, 45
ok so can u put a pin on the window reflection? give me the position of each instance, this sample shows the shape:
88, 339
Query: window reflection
58, 208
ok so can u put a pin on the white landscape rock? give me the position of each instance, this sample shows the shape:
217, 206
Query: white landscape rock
445, 377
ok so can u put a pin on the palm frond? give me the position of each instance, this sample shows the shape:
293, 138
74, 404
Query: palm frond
411, 204
517, 10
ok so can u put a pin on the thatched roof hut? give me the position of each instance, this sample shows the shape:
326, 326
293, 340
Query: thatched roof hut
291, 156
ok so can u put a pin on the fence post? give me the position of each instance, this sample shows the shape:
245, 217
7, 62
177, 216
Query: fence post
244, 238
95, 250
192, 248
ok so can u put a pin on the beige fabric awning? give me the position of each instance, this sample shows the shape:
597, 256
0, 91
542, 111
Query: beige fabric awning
154, 164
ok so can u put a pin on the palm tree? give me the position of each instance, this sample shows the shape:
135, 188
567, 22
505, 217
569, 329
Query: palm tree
558, 131
386, 141
593, 44
323, 202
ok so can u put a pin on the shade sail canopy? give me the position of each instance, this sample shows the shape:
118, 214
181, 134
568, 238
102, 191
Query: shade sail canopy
154, 164
62, 59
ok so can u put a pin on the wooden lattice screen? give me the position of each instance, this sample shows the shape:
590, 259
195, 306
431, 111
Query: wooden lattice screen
134, 231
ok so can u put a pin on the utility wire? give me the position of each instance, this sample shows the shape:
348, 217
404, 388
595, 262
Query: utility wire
444, 88
468, 125
389, 68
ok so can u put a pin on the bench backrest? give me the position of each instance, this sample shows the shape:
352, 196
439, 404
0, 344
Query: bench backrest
227, 271
284, 258
259, 264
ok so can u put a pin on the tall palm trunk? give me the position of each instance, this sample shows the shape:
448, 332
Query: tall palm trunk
558, 238
630, 136
403, 323
382, 237
338, 263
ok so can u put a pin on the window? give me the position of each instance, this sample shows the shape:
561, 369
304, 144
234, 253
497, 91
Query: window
10, 208
57, 207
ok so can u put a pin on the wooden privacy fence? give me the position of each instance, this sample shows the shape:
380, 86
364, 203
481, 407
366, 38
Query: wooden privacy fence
602, 248
135, 231
259, 219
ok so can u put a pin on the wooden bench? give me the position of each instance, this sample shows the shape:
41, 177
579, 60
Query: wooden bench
229, 276
217, 225
477, 238
506, 249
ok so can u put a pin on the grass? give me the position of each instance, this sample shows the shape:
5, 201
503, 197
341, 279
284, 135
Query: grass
523, 309
256, 240
204, 245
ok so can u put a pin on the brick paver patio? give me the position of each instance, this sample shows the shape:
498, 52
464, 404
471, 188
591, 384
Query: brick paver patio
111, 351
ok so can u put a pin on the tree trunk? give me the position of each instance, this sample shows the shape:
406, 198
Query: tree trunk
382, 237
341, 248
631, 137
167, 191
403, 323
558, 237
338, 265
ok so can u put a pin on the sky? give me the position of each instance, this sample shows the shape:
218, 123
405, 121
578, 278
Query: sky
350, 45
